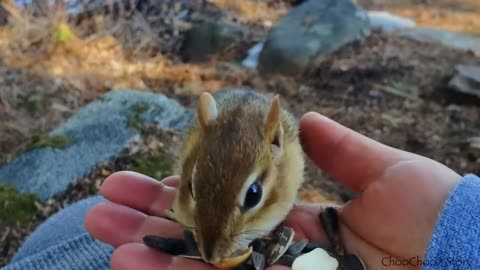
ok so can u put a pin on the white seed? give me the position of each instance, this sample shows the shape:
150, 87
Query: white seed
314, 260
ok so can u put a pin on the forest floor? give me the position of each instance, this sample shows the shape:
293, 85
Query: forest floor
387, 87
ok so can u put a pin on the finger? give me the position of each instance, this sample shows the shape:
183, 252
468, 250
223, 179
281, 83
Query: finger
171, 181
304, 220
349, 157
117, 224
138, 256
406, 200
140, 192
373, 257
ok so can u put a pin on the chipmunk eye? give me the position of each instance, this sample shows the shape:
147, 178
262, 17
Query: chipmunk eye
254, 195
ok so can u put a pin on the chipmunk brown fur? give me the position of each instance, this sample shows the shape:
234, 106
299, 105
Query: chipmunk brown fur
241, 168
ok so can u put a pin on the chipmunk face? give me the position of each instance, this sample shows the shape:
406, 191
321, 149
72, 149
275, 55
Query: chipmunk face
231, 178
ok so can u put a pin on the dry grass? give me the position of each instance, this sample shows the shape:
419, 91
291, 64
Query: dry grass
268, 12
455, 21
115, 56
121, 53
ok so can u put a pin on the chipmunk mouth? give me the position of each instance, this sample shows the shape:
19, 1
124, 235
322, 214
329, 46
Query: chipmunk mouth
235, 259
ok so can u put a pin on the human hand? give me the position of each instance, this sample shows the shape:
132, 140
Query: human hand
401, 197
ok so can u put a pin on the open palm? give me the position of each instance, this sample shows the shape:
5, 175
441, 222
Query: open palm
401, 197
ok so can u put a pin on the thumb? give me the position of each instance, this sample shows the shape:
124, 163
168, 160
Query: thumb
351, 158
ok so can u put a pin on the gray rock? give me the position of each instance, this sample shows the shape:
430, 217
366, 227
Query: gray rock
453, 40
389, 22
466, 80
208, 37
311, 30
99, 132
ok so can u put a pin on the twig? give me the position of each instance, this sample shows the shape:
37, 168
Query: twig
393, 91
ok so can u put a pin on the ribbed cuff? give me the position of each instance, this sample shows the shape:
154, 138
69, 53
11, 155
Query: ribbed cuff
455, 243
82, 252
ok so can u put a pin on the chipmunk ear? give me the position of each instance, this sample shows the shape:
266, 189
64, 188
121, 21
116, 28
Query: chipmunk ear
207, 109
273, 128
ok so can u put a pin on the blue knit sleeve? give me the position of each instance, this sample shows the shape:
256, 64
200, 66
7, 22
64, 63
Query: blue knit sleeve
455, 243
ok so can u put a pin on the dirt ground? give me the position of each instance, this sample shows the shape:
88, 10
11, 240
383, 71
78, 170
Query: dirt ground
387, 87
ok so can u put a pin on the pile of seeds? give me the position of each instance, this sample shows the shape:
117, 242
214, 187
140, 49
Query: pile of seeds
278, 249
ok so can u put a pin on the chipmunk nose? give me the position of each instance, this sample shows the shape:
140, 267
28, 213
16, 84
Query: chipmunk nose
209, 252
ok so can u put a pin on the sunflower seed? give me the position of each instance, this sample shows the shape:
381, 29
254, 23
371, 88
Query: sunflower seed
169, 245
298, 247
329, 220
258, 260
195, 257
258, 245
282, 241
352, 262
313, 245
286, 260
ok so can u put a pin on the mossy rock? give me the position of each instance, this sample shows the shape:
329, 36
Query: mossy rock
15, 207
157, 166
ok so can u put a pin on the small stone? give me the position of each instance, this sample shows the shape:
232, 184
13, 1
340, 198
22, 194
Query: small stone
314, 260
352, 262
209, 37
106, 172
466, 80
298, 247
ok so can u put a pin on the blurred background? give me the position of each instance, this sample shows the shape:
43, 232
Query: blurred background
91, 87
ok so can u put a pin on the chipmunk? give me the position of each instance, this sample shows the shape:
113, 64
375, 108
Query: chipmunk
241, 167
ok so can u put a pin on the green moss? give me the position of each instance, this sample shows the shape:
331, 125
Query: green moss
409, 91
63, 33
57, 141
15, 207
157, 166
134, 120
32, 102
